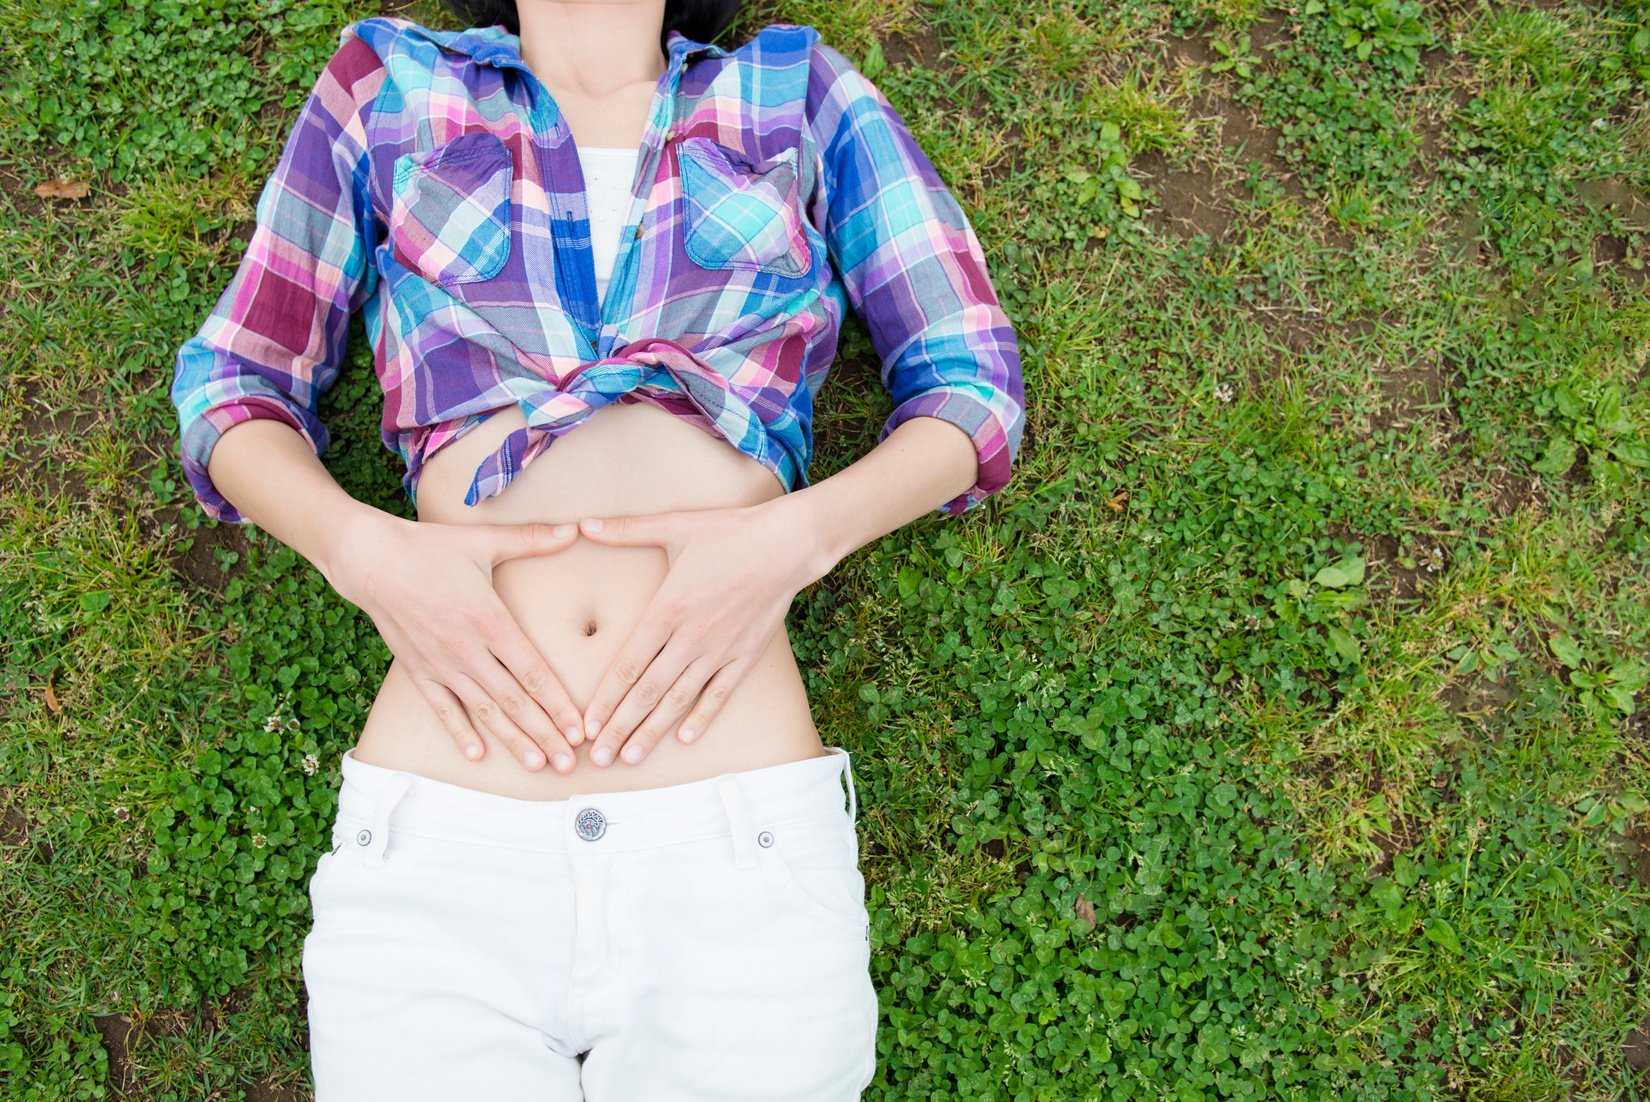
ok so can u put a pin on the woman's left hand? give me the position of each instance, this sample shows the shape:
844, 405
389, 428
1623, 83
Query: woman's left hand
733, 573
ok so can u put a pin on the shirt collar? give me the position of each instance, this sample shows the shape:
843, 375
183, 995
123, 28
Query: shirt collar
492, 43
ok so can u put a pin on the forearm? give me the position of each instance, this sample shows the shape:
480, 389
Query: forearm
918, 467
269, 472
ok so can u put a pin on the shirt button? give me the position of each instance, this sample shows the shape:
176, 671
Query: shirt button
765, 839
590, 823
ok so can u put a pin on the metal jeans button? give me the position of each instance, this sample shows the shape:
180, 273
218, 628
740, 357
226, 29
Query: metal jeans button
590, 824
765, 839
364, 837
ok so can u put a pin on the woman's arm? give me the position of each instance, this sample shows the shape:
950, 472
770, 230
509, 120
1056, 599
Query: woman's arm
270, 348
734, 572
276, 481
922, 464
414, 580
913, 270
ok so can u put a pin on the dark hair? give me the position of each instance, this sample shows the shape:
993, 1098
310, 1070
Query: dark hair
700, 20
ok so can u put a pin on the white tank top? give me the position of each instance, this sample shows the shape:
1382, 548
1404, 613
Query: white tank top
607, 175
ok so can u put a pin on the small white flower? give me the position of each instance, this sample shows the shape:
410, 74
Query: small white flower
292, 724
122, 812
273, 723
311, 764
1601, 124
1224, 392
259, 841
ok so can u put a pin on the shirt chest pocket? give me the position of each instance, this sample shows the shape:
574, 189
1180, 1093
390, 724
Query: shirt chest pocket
450, 212
740, 214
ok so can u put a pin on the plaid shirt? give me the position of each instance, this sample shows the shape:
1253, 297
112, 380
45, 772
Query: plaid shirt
430, 181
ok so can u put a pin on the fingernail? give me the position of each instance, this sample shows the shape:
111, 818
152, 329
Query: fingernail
594, 730
633, 753
561, 530
603, 755
563, 762
472, 751
594, 524
575, 734
689, 734
533, 758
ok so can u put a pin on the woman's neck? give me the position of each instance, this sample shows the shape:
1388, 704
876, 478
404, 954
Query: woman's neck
593, 48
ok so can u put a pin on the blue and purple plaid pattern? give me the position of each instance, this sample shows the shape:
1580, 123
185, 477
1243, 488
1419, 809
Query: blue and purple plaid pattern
430, 182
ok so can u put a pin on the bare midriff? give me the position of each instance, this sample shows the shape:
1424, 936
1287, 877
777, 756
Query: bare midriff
579, 605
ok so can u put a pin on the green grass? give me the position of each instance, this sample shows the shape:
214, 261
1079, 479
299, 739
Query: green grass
1279, 733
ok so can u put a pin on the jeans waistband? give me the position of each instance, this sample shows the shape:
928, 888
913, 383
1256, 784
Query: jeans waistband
374, 801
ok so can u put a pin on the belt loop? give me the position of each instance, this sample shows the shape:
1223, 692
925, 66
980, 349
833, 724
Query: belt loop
853, 799
376, 842
733, 802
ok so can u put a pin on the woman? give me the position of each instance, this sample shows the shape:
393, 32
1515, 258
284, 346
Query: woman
590, 842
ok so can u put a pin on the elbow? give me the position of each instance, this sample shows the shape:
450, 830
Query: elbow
990, 415
211, 396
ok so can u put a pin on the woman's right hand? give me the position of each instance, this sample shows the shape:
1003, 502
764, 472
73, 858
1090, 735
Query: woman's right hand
428, 588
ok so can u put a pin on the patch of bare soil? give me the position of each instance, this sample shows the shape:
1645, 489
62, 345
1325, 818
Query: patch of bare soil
1294, 328
14, 825
1389, 578
1200, 197
1632, 206
1474, 698
1269, 33
1637, 1048
918, 47
1191, 199
1410, 393
1511, 492
122, 1033
1638, 854
20, 192
41, 457
193, 555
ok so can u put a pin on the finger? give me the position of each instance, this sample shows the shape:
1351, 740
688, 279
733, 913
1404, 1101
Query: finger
629, 664
488, 714
649, 528
652, 692
450, 710
524, 711
687, 643
712, 698
523, 662
510, 541
674, 705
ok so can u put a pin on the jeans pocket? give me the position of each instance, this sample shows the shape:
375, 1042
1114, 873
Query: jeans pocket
815, 863
450, 210
739, 213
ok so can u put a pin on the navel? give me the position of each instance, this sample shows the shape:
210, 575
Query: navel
590, 627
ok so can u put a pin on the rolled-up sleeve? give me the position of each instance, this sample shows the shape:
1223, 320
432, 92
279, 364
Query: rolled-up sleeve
274, 342
913, 269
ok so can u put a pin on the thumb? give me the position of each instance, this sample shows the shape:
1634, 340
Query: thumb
510, 541
650, 528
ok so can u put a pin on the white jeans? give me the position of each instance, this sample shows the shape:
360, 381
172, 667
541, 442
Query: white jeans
706, 941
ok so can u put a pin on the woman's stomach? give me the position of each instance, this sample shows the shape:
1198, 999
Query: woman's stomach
579, 605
